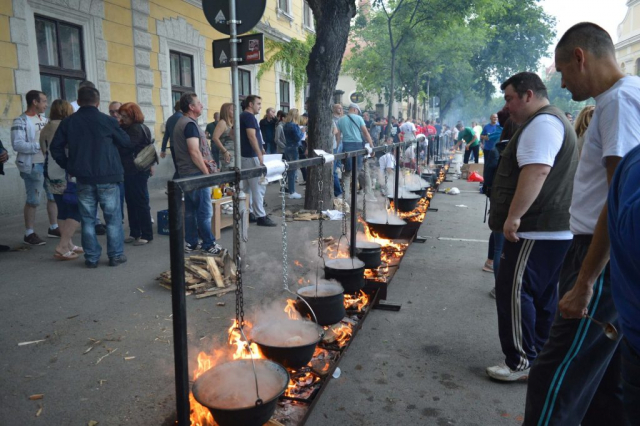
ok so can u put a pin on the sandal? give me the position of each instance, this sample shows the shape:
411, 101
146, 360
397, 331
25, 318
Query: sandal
67, 256
78, 250
487, 267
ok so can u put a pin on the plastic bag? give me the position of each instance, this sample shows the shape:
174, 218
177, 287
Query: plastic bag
475, 177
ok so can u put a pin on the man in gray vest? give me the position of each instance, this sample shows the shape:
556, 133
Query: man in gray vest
193, 158
530, 200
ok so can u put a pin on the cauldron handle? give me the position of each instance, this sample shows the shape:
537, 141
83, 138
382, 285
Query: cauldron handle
253, 364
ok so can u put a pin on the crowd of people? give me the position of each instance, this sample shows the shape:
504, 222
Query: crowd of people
564, 241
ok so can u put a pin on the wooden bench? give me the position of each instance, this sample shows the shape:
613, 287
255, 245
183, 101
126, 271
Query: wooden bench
220, 221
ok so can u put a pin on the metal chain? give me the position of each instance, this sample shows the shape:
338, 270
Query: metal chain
237, 236
285, 260
344, 201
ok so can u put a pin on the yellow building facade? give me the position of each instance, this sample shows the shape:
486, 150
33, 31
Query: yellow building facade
143, 51
628, 45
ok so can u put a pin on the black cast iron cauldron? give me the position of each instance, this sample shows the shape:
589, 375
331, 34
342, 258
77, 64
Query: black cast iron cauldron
327, 303
386, 230
348, 272
253, 415
370, 253
290, 356
408, 202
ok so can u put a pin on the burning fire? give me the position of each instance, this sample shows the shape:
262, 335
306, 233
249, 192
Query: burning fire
343, 332
358, 302
332, 252
298, 382
297, 263
200, 415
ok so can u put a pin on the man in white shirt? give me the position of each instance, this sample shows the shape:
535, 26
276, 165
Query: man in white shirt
530, 199
25, 140
84, 83
576, 378
408, 130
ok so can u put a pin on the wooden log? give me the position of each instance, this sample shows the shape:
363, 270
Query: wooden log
216, 292
230, 270
196, 286
212, 267
198, 271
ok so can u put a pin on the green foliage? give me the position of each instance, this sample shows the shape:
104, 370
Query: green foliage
461, 49
293, 57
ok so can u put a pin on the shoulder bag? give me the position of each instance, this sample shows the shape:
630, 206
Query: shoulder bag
148, 156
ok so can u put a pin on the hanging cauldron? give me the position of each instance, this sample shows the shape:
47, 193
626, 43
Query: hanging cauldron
407, 201
326, 300
292, 352
228, 390
384, 229
370, 253
348, 272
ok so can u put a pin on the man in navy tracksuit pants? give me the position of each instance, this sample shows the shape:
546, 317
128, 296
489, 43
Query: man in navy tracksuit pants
624, 232
530, 200
576, 379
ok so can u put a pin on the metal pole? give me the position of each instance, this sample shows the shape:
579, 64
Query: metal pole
397, 180
178, 303
429, 147
233, 43
354, 205
418, 155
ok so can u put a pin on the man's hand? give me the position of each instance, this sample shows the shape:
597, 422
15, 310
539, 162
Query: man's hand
4, 156
152, 170
466, 147
163, 154
510, 228
575, 301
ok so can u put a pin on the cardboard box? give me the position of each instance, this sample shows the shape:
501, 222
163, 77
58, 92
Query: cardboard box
470, 168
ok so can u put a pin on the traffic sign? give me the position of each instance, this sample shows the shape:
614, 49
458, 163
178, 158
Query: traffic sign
250, 51
217, 13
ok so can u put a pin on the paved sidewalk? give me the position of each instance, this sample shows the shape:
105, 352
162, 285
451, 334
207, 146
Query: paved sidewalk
424, 365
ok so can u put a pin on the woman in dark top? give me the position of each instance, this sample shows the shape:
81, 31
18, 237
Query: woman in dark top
293, 136
136, 191
268, 129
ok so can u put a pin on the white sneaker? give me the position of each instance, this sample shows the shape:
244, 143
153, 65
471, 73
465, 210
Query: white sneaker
503, 373
295, 196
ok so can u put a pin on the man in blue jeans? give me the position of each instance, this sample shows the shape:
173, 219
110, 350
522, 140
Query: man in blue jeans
624, 233
91, 138
193, 158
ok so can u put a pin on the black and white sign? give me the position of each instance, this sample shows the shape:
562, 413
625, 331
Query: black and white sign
249, 12
250, 50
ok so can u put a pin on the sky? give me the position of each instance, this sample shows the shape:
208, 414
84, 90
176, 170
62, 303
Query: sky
606, 13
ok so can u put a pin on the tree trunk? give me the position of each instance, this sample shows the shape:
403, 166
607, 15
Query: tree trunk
333, 22
392, 97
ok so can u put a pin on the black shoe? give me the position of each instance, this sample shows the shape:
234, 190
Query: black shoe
265, 221
4, 248
101, 229
91, 265
117, 260
252, 218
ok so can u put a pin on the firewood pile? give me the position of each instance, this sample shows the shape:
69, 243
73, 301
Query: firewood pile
206, 276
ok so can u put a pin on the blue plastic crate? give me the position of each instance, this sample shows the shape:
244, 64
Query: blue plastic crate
163, 222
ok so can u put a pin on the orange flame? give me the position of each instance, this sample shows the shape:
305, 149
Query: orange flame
344, 332
297, 263
291, 310
243, 350
296, 382
357, 302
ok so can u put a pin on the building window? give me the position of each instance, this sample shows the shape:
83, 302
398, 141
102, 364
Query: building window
638, 67
61, 58
284, 96
244, 83
181, 75
283, 5
337, 97
307, 16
